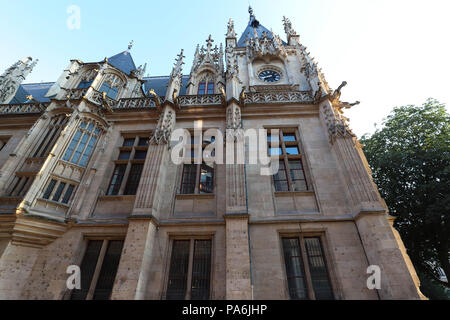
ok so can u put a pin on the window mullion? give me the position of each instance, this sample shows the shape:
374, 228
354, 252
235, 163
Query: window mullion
197, 178
311, 294
190, 268
125, 178
78, 144
98, 268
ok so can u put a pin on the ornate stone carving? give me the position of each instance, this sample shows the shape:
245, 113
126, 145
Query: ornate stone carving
165, 127
11, 79
278, 97
288, 27
209, 56
259, 47
232, 63
335, 120
234, 119
230, 29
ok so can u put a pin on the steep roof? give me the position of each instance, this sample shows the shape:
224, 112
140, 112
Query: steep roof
159, 84
37, 90
123, 61
249, 32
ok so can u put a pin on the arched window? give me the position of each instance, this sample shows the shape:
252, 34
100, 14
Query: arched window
111, 86
206, 87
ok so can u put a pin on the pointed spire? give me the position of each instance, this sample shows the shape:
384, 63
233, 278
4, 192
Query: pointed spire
250, 10
178, 66
13, 77
130, 45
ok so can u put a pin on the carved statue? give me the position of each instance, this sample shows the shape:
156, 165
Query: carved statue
230, 32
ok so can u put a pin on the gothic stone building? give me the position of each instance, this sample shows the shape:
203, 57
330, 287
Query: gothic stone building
87, 179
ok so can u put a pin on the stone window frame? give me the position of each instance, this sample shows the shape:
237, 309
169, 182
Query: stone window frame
52, 190
115, 81
192, 237
48, 138
135, 147
100, 259
198, 171
286, 158
4, 141
321, 235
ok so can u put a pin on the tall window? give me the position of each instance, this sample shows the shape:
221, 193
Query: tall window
291, 175
306, 269
197, 178
129, 166
82, 145
190, 270
48, 140
98, 270
206, 87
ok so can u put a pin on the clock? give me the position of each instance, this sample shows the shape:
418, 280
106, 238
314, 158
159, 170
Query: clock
269, 76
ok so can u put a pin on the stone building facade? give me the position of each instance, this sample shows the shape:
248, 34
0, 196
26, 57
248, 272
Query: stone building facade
88, 179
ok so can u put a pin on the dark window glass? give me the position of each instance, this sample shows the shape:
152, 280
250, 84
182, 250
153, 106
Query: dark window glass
140, 155
49, 190
110, 91
210, 88
133, 179
87, 269
178, 272
116, 181
85, 84
108, 271
80, 148
125, 155
59, 191
318, 269
143, 142
72, 146
294, 269
68, 194
201, 270
280, 178
128, 142
87, 153
201, 88
189, 179
206, 179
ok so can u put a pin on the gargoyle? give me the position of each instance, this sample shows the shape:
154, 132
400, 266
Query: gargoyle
242, 96
157, 99
175, 98
224, 95
105, 103
318, 94
337, 93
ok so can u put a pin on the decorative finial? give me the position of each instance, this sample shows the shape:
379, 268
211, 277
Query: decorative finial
250, 10
130, 45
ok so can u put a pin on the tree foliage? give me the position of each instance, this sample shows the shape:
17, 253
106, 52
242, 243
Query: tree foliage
410, 160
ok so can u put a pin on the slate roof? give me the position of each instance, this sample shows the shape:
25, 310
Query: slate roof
37, 90
123, 61
250, 33
159, 84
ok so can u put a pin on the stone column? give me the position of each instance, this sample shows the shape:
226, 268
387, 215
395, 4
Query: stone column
238, 273
135, 263
382, 249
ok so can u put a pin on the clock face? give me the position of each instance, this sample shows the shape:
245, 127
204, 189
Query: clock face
269, 76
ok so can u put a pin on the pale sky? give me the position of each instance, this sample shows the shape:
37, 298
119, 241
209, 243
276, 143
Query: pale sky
391, 53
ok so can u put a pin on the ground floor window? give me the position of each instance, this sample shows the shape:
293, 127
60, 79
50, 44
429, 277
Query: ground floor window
98, 270
190, 270
306, 269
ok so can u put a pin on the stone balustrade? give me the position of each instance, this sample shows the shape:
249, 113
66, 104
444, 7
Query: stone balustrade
23, 108
278, 97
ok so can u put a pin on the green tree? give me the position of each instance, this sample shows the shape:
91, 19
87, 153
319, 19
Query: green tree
410, 160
